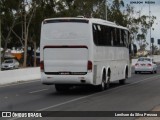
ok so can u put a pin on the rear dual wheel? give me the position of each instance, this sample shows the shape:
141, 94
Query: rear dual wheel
123, 81
155, 71
105, 82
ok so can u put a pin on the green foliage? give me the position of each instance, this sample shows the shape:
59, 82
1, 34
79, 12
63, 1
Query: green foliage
115, 14
13, 10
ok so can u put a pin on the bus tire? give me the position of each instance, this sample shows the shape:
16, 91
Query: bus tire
152, 72
155, 71
105, 82
61, 87
123, 81
108, 80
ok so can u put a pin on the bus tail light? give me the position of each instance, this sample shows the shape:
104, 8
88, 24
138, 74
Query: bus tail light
89, 66
136, 64
149, 65
42, 66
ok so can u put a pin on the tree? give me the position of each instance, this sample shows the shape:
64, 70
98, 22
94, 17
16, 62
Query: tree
26, 28
138, 25
115, 14
9, 8
23, 26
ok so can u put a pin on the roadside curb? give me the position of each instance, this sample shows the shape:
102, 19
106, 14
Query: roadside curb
19, 75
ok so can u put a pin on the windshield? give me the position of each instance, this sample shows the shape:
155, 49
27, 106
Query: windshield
8, 61
144, 59
65, 31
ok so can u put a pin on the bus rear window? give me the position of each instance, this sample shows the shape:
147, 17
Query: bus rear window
65, 31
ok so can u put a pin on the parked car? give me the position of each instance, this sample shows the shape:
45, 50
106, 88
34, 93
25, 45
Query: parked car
145, 64
10, 64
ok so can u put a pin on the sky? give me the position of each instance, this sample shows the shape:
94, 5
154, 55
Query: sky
155, 11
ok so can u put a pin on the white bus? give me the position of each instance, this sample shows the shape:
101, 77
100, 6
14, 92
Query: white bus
83, 51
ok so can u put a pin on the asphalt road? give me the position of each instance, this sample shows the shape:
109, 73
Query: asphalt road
140, 93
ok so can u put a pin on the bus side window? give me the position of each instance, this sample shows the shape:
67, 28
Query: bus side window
95, 34
115, 39
103, 35
118, 37
126, 38
100, 42
108, 36
121, 42
112, 39
122, 38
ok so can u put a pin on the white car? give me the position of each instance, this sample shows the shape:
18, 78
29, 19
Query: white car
145, 64
10, 64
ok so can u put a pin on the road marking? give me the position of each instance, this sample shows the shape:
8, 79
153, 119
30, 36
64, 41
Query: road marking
43, 109
17, 83
76, 99
143, 80
64, 103
38, 91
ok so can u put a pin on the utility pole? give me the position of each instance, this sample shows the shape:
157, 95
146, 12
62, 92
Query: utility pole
25, 35
150, 27
106, 8
152, 42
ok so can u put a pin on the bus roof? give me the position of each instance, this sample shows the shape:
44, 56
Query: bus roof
84, 20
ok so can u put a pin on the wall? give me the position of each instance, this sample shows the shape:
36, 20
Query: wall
25, 74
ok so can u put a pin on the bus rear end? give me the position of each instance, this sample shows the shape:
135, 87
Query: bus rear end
65, 52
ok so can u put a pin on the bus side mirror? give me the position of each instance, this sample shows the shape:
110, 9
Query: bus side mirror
132, 49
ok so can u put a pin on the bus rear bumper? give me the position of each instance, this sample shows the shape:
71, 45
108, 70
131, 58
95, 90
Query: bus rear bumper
67, 79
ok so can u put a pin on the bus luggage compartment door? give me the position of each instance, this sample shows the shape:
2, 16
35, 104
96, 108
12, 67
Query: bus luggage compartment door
65, 60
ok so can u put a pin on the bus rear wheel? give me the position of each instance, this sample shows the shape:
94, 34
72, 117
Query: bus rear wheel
123, 81
105, 82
